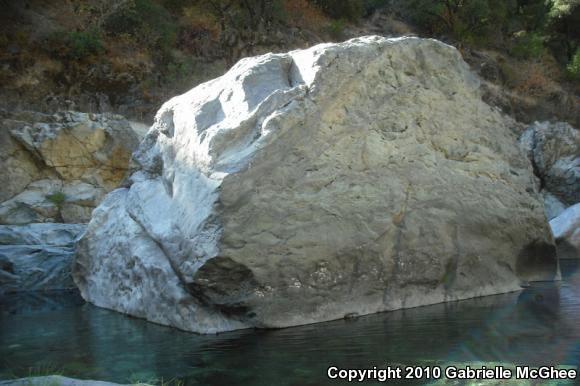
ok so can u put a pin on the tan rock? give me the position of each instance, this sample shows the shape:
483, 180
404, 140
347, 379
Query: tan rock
66, 154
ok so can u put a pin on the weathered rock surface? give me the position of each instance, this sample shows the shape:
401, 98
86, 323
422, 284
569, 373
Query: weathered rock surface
554, 149
553, 206
343, 179
73, 157
566, 229
37, 256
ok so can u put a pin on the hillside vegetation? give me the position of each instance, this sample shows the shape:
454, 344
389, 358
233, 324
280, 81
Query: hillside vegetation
128, 56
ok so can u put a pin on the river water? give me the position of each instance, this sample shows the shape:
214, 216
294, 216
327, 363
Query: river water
59, 333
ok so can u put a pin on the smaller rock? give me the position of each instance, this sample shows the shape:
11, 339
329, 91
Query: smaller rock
52, 201
57, 168
94, 148
566, 230
554, 149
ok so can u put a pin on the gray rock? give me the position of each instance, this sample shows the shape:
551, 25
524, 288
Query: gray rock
37, 256
566, 230
139, 128
554, 149
552, 205
342, 179
57, 380
58, 235
35, 204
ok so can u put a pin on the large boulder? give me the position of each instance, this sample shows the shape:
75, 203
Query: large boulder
342, 179
566, 229
37, 257
57, 168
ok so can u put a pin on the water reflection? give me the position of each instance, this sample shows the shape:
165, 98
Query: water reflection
538, 326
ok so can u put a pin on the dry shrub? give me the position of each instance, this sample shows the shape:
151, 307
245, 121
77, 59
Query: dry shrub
43, 68
301, 13
199, 31
137, 63
126, 55
198, 18
398, 27
537, 78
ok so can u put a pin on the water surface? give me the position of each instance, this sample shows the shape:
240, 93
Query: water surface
60, 333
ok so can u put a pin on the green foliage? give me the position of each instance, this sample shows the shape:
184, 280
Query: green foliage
531, 15
351, 10
563, 8
573, 68
470, 21
562, 28
84, 43
57, 198
147, 20
178, 71
336, 29
372, 5
75, 45
244, 14
528, 46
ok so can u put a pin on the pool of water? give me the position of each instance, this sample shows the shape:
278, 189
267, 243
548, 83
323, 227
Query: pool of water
59, 333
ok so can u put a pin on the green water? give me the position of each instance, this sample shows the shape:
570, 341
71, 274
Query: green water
59, 333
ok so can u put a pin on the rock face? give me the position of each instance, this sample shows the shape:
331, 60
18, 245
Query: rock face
553, 206
57, 168
37, 256
342, 179
566, 229
554, 149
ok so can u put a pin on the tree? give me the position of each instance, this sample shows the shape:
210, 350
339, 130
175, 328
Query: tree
465, 20
342, 9
243, 24
562, 26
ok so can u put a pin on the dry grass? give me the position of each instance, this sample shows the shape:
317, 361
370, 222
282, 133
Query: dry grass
303, 14
537, 77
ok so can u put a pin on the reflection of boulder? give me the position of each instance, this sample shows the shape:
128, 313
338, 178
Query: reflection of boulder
58, 167
301, 187
540, 303
566, 229
27, 302
37, 256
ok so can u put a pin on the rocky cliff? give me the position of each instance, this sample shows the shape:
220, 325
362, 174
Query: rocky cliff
342, 179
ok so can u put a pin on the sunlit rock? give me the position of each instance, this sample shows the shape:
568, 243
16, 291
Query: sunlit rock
338, 180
